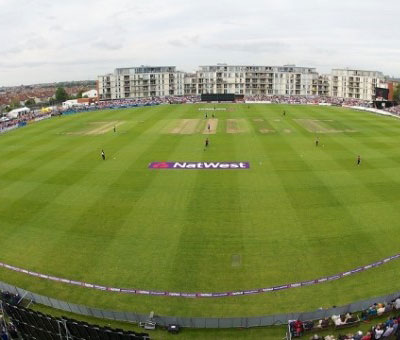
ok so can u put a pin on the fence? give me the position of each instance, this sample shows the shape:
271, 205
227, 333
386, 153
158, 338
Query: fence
196, 322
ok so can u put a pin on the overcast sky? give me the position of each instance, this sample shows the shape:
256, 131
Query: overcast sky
55, 40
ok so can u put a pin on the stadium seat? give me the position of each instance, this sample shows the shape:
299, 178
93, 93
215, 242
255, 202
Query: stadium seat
38, 326
83, 330
47, 321
94, 333
105, 334
73, 329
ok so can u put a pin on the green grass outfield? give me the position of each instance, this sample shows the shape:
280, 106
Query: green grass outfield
299, 213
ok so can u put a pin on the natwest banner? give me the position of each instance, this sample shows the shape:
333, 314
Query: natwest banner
200, 165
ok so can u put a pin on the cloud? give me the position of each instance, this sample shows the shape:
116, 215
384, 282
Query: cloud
185, 41
107, 44
250, 46
57, 28
177, 43
91, 37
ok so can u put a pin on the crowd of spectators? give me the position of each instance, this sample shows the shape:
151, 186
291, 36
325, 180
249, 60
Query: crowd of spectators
313, 100
385, 330
341, 320
125, 103
394, 109
378, 309
107, 104
272, 99
23, 118
7, 124
147, 101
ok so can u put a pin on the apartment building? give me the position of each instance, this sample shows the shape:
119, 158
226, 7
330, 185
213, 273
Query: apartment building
347, 83
190, 84
255, 80
289, 80
321, 86
141, 82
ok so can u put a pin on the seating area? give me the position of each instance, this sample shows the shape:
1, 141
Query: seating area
314, 100
384, 330
101, 105
35, 325
126, 103
394, 109
345, 321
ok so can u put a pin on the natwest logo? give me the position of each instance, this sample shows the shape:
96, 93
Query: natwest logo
160, 165
200, 165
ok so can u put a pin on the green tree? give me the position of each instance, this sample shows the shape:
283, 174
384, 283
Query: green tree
396, 93
61, 94
30, 102
15, 104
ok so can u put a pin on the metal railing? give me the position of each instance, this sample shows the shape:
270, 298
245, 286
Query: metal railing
196, 322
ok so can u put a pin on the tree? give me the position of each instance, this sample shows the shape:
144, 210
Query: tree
61, 94
15, 104
396, 93
30, 101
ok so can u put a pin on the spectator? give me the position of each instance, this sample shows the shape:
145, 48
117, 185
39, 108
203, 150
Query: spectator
308, 325
337, 320
395, 325
329, 337
380, 310
349, 318
372, 311
389, 322
364, 315
388, 307
388, 332
367, 336
298, 327
397, 303
323, 323
378, 332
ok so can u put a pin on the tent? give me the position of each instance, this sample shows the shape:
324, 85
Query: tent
18, 112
